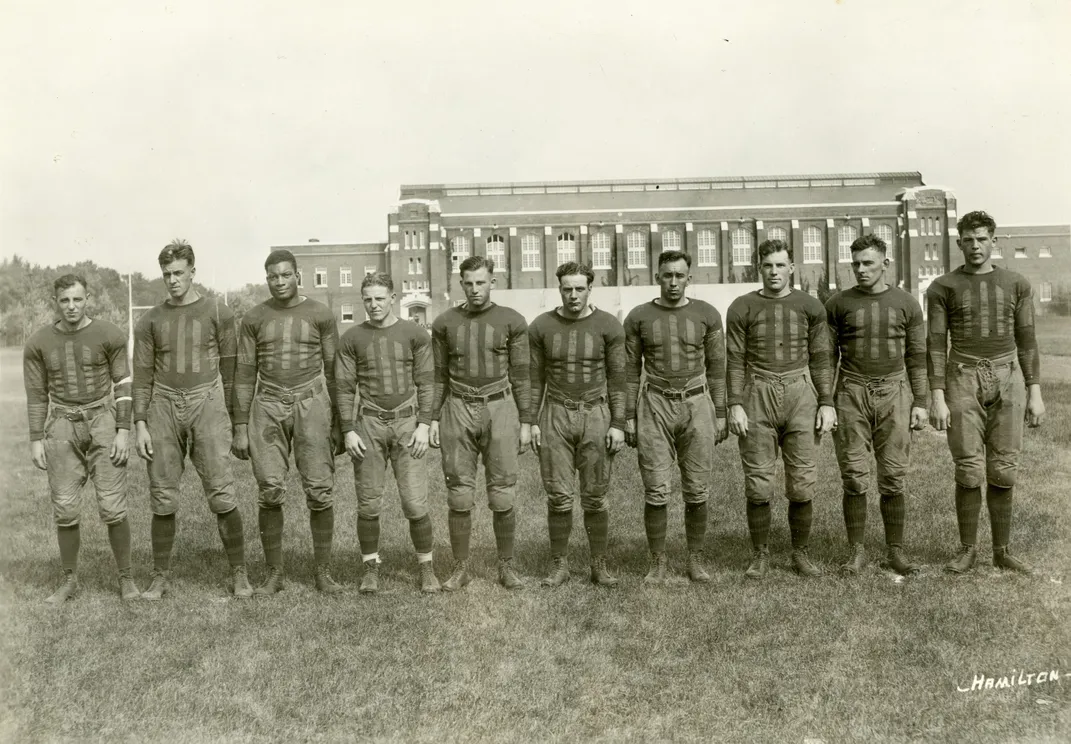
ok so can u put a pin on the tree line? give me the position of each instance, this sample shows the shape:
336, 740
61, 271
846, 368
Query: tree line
26, 295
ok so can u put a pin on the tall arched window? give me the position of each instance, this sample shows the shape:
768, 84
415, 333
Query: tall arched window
566, 248
496, 251
777, 233
846, 235
600, 251
812, 245
671, 241
636, 243
742, 247
707, 242
530, 251
460, 249
885, 232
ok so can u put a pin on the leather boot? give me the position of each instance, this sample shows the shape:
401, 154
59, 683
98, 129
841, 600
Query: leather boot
67, 590
459, 577
1003, 559
128, 590
897, 561
760, 563
600, 574
158, 587
656, 574
324, 582
240, 583
855, 565
370, 580
964, 560
273, 583
507, 577
803, 564
559, 573
429, 582
696, 572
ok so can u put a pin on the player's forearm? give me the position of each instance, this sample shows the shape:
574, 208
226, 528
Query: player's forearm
37, 414
1026, 347
522, 391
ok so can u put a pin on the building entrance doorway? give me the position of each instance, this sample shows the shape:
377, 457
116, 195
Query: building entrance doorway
418, 314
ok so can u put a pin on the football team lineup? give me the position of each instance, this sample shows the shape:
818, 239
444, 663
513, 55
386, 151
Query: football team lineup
575, 386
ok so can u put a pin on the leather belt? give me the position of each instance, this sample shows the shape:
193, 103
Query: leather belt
577, 405
384, 415
676, 393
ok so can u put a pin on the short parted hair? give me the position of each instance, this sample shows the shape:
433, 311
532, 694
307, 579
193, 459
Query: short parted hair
774, 246
572, 268
475, 263
870, 241
666, 256
279, 256
67, 281
378, 279
974, 220
177, 250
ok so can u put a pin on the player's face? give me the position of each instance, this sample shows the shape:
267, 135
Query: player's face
776, 270
477, 287
282, 281
575, 293
977, 246
71, 304
378, 303
178, 278
869, 267
673, 278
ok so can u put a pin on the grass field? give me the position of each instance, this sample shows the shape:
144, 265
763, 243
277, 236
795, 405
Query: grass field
874, 658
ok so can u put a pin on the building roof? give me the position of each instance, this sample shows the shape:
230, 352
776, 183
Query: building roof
332, 249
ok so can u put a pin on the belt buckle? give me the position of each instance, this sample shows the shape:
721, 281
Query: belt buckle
74, 416
385, 416
572, 405
469, 398
288, 398
673, 393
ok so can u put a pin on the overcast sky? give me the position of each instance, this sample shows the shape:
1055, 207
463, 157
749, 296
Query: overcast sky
239, 125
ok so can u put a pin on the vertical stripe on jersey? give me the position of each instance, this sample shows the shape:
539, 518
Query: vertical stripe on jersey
690, 335
386, 376
164, 342
489, 351
195, 343
895, 351
304, 349
287, 353
71, 378
998, 297
983, 308
780, 330
589, 353
570, 354
874, 314
967, 321
180, 345
400, 368
674, 343
656, 334
89, 379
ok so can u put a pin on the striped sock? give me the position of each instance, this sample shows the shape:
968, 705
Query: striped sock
270, 523
322, 525
560, 526
460, 524
420, 534
597, 525
855, 516
162, 534
70, 540
999, 501
505, 525
119, 537
368, 534
695, 526
799, 523
654, 523
230, 532
894, 514
968, 505
758, 522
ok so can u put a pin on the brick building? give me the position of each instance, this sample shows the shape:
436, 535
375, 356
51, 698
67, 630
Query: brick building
620, 227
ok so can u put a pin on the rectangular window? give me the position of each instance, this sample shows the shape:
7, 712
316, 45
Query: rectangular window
708, 248
741, 240
1020, 252
812, 245
496, 251
671, 241
345, 277
1045, 291
299, 279
636, 243
1045, 252
369, 270
321, 276
997, 252
846, 235
420, 236
600, 251
347, 312
530, 252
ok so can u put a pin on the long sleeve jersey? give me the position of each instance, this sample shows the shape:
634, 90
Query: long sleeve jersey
986, 315
876, 335
286, 347
676, 344
480, 347
75, 368
182, 347
579, 359
385, 366
777, 335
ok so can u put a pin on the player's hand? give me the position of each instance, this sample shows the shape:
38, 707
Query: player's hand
1035, 406
537, 438
355, 446
630, 432
738, 420
143, 441
615, 440
338, 446
721, 431
526, 438
433, 435
37, 454
240, 441
418, 443
919, 417
939, 415
826, 420
120, 451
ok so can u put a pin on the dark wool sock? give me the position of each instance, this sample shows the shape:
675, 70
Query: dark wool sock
460, 524
654, 523
597, 525
968, 506
758, 523
322, 526
894, 514
368, 534
999, 501
560, 526
70, 540
119, 537
421, 535
270, 523
855, 516
695, 526
799, 523
162, 534
230, 533
505, 525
